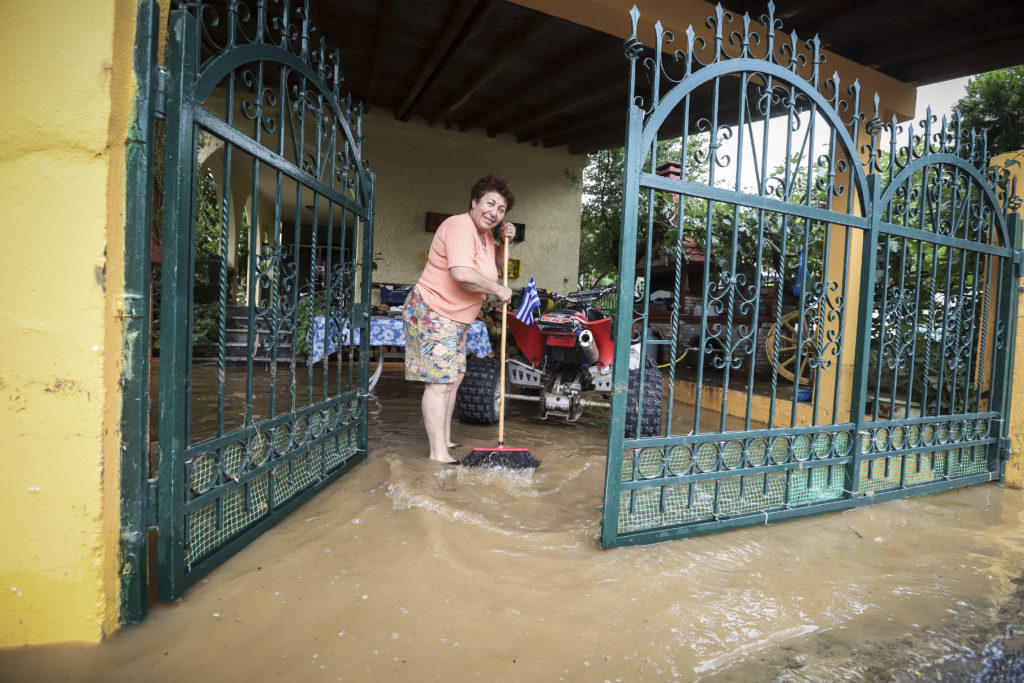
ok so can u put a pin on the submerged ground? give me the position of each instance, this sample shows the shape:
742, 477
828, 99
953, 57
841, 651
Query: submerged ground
404, 570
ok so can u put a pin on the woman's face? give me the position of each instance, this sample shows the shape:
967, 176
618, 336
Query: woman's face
488, 211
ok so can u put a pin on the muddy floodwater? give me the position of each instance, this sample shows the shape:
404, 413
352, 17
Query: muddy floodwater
406, 570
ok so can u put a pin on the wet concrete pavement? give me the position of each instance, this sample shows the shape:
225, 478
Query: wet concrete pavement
404, 570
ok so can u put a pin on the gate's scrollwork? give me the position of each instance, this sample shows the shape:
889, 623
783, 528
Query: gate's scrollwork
840, 337
267, 249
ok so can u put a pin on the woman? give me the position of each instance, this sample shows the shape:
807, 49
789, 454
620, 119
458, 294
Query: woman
462, 269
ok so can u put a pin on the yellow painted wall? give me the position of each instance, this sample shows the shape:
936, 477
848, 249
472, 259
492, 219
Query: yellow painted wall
685, 394
68, 87
421, 168
1015, 465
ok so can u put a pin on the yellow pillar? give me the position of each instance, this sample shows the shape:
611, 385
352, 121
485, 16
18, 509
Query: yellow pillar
69, 88
839, 377
1014, 475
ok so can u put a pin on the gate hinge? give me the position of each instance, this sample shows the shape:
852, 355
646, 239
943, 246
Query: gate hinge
152, 489
1004, 448
132, 305
1018, 263
160, 106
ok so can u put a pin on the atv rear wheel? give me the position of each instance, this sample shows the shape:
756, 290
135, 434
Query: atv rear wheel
650, 420
477, 399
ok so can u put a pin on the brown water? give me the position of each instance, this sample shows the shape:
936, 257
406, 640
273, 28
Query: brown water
405, 570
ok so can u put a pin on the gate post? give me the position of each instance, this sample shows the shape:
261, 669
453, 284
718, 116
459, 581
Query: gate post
135, 401
621, 332
1013, 472
623, 327
864, 317
1001, 389
366, 286
175, 318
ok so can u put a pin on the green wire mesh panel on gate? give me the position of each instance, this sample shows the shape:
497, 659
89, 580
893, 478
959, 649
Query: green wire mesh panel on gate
217, 522
797, 481
208, 529
672, 505
959, 451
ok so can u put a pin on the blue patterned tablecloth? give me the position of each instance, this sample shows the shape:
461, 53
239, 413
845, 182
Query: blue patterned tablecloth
383, 332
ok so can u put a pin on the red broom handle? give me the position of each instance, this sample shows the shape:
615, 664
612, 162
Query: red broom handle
501, 368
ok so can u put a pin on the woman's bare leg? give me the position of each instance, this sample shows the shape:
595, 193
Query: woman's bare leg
451, 409
435, 414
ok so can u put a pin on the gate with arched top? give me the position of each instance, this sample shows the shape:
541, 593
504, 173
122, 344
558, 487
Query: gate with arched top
266, 246
840, 291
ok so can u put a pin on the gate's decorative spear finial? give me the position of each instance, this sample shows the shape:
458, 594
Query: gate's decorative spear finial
770, 23
633, 46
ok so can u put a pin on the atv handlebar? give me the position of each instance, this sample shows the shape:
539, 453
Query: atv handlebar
587, 295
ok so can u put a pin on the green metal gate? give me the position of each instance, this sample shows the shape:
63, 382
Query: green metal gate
267, 243
835, 291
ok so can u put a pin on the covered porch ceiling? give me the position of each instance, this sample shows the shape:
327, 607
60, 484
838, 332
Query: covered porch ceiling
552, 72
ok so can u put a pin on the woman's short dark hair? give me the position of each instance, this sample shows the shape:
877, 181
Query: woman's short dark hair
493, 183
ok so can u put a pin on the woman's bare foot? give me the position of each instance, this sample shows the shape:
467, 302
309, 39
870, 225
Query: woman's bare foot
449, 461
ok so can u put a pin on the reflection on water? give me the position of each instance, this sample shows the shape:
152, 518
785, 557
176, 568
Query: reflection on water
274, 389
405, 570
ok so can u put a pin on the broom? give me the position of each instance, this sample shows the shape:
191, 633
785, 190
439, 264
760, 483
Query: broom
501, 455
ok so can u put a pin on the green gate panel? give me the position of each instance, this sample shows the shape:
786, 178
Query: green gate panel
267, 243
831, 320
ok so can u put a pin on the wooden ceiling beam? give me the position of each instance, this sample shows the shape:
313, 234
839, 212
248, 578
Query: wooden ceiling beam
991, 27
514, 46
536, 83
378, 50
535, 130
605, 133
791, 9
560, 103
596, 90
963, 63
453, 35
557, 136
585, 145
610, 131
610, 125
862, 19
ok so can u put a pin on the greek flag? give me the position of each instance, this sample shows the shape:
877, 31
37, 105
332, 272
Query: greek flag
530, 302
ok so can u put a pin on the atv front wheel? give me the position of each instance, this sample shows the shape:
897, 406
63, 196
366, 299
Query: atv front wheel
650, 420
477, 400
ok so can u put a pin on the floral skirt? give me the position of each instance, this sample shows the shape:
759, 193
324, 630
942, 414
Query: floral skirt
435, 346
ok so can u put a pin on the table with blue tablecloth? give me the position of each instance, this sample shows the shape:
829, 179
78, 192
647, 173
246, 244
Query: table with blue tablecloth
383, 332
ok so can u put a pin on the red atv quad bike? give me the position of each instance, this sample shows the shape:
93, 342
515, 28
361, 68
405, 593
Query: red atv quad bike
568, 368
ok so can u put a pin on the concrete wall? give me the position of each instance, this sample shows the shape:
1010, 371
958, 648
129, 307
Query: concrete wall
421, 169
69, 88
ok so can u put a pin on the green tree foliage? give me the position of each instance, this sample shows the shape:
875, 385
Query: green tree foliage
207, 257
601, 216
995, 102
945, 284
208, 263
601, 220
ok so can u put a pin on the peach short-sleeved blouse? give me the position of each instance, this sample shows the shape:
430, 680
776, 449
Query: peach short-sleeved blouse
457, 243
